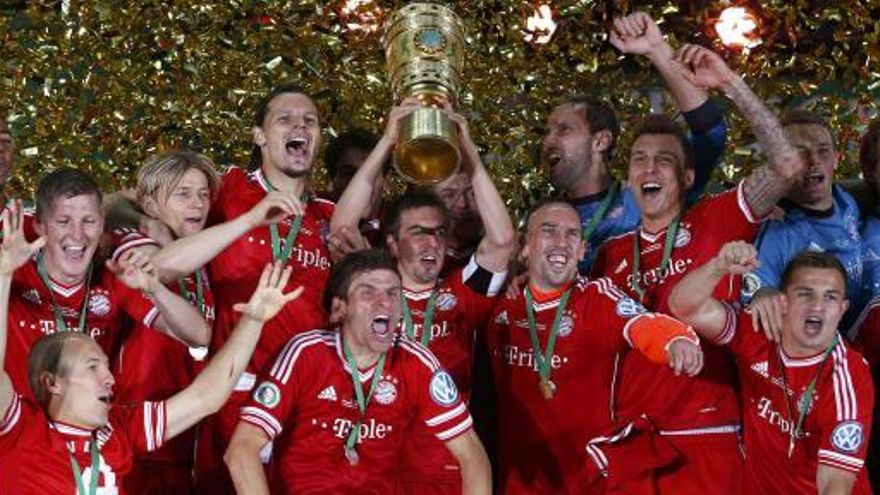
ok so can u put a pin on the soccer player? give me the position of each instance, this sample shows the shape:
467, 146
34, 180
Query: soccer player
465, 225
174, 188
581, 136
71, 435
443, 315
347, 399
553, 352
806, 399
819, 216
62, 288
268, 213
700, 417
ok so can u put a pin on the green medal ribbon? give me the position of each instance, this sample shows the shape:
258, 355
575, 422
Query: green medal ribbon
668, 245
429, 317
77, 474
543, 358
362, 401
600, 212
805, 403
60, 325
200, 291
280, 252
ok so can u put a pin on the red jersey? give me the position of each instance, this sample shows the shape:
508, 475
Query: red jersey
463, 303
541, 442
31, 314
865, 333
236, 270
835, 429
680, 402
308, 395
35, 452
153, 366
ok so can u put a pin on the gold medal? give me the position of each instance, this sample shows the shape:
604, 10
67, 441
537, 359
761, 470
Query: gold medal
548, 388
352, 456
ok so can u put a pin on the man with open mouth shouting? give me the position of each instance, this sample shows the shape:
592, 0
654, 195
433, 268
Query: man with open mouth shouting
67, 434
443, 315
700, 417
806, 398
348, 399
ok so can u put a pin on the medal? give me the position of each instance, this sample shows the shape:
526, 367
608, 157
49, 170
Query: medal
548, 389
352, 456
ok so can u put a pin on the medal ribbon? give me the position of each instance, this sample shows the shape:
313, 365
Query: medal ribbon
60, 325
599, 214
806, 401
362, 401
77, 474
543, 358
668, 245
200, 291
280, 252
429, 317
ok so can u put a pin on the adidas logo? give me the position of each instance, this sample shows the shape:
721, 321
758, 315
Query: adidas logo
815, 247
501, 319
761, 369
621, 267
328, 393
32, 296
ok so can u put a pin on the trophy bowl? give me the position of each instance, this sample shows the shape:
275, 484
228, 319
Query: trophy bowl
424, 55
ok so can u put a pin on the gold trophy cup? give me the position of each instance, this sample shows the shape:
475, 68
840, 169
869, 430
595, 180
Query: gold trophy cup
424, 55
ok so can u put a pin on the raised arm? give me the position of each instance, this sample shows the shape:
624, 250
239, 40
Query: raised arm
187, 254
768, 183
691, 299
209, 391
15, 252
499, 239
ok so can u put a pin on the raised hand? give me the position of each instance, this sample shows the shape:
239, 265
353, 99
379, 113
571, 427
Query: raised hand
274, 207
736, 258
268, 298
704, 68
685, 357
136, 270
406, 107
637, 33
345, 240
16, 250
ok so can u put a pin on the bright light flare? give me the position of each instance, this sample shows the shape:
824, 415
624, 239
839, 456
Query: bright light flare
540, 26
360, 15
738, 27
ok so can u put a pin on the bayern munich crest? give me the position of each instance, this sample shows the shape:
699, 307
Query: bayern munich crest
683, 237
566, 325
99, 304
446, 301
385, 392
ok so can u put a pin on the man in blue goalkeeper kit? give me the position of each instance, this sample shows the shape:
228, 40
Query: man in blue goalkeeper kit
581, 134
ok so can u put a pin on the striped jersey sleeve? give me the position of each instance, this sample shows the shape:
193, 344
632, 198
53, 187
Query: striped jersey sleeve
146, 423
436, 396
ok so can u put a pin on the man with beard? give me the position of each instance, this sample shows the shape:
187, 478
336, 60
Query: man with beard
349, 398
553, 350
442, 314
806, 399
700, 417
581, 136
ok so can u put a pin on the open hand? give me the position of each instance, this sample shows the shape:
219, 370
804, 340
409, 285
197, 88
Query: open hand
704, 68
268, 298
16, 250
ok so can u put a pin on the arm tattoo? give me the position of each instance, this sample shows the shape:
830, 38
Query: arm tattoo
769, 183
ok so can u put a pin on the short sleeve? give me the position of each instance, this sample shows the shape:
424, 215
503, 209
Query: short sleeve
11, 423
845, 422
146, 424
274, 397
614, 309
123, 239
136, 304
438, 402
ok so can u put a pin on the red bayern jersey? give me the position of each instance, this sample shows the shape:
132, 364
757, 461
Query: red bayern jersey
460, 309
865, 333
308, 396
236, 270
680, 402
151, 365
34, 452
31, 315
541, 442
837, 425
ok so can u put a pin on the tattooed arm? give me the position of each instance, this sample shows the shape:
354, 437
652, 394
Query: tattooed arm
769, 183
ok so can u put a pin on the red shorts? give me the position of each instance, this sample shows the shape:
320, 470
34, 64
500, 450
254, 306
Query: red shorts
712, 465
